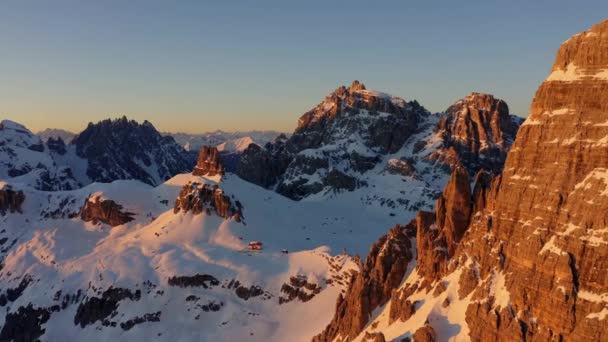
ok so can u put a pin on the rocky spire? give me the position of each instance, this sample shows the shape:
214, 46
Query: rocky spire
208, 162
438, 237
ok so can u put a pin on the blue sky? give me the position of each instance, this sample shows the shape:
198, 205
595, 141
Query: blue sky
234, 65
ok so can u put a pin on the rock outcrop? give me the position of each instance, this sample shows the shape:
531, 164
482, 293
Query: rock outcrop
425, 334
96, 309
208, 162
56, 145
204, 198
385, 266
10, 200
374, 337
98, 209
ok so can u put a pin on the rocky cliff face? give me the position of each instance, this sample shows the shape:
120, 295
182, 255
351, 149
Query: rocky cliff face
525, 251
124, 149
97, 209
385, 266
477, 132
208, 162
10, 200
549, 213
204, 198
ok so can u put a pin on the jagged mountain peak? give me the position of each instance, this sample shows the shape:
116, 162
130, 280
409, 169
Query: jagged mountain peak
354, 100
339, 144
125, 149
477, 131
122, 122
343, 137
495, 125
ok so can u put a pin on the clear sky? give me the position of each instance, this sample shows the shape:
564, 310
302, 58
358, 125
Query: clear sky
203, 65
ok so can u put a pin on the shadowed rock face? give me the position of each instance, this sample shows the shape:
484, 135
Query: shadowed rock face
264, 165
206, 198
56, 145
106, 211
124, 149
208, 163
10, 200
96, 309
25, 324
477, 131
385, 267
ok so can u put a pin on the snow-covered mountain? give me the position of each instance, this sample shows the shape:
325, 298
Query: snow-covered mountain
103, 152
25, 158
375, 144
125, 149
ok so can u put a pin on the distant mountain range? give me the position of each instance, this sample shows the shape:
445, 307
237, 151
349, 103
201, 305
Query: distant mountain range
233, 140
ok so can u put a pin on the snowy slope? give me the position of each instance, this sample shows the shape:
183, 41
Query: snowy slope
66, 254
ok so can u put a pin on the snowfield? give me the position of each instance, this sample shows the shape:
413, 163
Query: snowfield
62, 255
